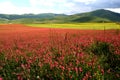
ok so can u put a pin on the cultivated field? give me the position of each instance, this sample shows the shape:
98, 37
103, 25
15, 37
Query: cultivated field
30, 53
95, 26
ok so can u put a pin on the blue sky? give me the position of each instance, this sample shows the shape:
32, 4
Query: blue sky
56, 6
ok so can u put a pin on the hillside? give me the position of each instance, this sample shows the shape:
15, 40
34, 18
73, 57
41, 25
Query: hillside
94, 16
2, 20
44, 15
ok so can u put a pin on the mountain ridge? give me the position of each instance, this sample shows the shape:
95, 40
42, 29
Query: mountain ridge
100, 15
104, 15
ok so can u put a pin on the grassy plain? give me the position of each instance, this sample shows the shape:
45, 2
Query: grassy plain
96, 26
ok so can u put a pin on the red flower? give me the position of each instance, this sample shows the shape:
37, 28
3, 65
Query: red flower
1, 78
80, 69
102, 71
108, 71
19, 77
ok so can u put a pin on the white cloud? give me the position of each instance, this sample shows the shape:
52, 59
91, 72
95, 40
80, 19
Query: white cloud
43, 3
8, 7
53, 6
85, 1
57, 6
114, 9
47, 3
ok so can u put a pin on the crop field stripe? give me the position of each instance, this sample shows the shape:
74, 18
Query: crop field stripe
96, 26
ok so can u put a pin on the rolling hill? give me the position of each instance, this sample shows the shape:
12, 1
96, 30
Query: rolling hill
100, 15
44, 15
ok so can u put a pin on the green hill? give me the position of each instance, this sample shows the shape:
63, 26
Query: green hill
44, 15
2, 20
94, 16
90, 19
98, 16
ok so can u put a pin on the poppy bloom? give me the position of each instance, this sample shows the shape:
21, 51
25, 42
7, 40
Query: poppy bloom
1, 78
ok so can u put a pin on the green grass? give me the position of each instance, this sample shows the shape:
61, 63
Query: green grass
97, 26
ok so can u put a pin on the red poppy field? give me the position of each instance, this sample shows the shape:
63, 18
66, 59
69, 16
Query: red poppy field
28, 53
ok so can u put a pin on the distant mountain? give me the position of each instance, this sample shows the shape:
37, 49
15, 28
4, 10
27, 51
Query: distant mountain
44, 15
91, 19
100, 15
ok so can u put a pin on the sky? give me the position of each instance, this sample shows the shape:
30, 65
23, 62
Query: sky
56, 6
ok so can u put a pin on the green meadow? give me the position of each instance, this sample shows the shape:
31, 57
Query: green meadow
96, 26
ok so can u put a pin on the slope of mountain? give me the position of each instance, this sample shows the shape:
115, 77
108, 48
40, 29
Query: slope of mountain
94, 16
2, 20
44, 15
90, 19
106, 15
